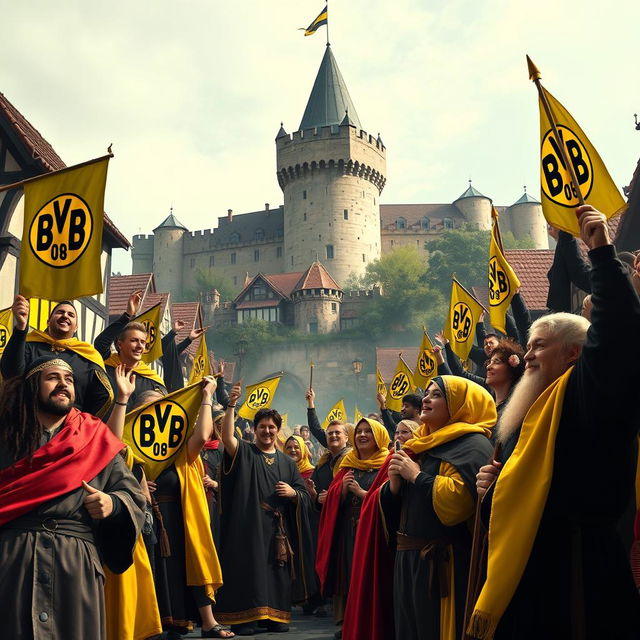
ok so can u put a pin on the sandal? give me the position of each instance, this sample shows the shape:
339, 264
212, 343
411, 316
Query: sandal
218, 631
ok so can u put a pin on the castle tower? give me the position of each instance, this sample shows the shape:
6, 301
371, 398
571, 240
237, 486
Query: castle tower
332, 173
167, 254
527, 219
475, 208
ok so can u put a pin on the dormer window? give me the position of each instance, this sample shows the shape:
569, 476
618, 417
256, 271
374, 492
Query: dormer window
401, 223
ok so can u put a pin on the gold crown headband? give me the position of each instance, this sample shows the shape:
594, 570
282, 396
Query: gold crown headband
54, 362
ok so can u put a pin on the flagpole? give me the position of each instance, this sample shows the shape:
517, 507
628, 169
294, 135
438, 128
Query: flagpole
311, 375
470, 294
20, 183
535, 75
327, 23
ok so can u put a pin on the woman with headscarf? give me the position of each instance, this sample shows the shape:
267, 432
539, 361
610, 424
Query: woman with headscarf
404, 431
341, 511
429, 499
296, 448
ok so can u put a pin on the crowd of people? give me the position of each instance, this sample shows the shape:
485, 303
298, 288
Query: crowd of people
500, 502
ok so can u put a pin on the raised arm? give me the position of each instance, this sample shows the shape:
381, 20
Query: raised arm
204, 425
105, 339
522, 318
228, 432
125, 386
312, 419
13, 360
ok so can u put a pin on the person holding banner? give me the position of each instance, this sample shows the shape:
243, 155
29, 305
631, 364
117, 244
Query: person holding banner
411, 407
68, 504
171, 351
263, 523
93, 391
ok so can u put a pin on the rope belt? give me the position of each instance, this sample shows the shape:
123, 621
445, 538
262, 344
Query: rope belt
433, 552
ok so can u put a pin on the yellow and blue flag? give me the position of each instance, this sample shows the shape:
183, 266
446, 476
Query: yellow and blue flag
322, 19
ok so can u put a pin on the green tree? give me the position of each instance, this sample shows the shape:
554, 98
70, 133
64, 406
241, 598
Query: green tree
206, 281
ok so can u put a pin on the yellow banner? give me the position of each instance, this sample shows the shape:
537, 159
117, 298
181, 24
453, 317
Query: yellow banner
201, 366
259, 396
338, 412
357, 415
156, 432
381, 387
6, 328
285, 430
464, 315
503, 282
400, 385
62, 238
427, 365
39, 312
559, 194
151, 321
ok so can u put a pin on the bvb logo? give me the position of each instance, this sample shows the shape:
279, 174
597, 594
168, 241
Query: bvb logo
555, 177
426, 364
152, 334
198, 366
159, 431
399, 385
259, 398
499, 287
336, 414
461, 323
4, 337
61, 231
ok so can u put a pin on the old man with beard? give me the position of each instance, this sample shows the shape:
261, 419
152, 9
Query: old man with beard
556, 567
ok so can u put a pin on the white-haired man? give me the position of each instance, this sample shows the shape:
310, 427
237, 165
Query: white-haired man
556, 567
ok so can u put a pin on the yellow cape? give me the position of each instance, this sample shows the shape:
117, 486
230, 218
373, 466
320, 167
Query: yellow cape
83, 349
351, 459
141, 369
304, 464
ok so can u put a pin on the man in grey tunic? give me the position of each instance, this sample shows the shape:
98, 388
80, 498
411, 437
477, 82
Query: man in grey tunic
68, 504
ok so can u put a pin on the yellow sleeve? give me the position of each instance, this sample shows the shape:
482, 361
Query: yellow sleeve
451, 500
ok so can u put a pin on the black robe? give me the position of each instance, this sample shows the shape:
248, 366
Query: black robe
143, 384
255, 586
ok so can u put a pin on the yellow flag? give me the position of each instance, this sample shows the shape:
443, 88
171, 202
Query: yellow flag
338, 412
201, 366
62, 238
285, 430
559, 194
357, 415
259, 396
401, 385
151, 321
464, 315
427, 366
503, 282
39, 312
381, 387
6, 328
156, 432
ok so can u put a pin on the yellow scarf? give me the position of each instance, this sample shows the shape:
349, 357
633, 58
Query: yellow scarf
304, 464
83, 349
352, 460
201, 559
130, 597
471, 410
514, 522
140, 369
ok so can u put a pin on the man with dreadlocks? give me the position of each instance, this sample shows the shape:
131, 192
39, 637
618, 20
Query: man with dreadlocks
68, 504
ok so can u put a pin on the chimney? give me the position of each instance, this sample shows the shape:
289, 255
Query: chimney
266, 206
229, 215
215, 295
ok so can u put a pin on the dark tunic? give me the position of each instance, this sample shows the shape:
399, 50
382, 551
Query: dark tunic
417, 580
94, 393
51, 577
212, 461
578, 577
255, 586
142, 384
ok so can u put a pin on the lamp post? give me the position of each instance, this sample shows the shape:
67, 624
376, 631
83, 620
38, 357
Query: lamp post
240, 351
357, 370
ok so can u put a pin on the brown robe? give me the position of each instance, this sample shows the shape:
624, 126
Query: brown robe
51, 577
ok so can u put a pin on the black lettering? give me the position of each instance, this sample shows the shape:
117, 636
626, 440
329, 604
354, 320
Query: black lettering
502, 282
176, 427
77, 231
147, 435
45, 236
162, 416
552, 176
61, 216
579, 165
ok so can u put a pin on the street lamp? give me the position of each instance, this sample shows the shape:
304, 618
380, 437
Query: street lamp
240, 351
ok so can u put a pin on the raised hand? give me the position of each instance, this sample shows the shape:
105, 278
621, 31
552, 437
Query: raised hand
133, 304
20, 310
593, 227
125, 383
209, 384
310, 395
440, 338
178, 325
235, 393
196, 333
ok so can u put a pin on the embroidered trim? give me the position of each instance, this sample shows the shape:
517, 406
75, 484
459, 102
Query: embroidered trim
257, 613
54, 362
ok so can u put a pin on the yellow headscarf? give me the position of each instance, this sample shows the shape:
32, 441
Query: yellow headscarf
141, 368
352, 460
83, 349
304, 464
471, 410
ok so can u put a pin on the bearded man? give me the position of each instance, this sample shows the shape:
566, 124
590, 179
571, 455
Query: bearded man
556, 568
68, 503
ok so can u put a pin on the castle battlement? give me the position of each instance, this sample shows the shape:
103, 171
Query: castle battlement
140, 237
330, 132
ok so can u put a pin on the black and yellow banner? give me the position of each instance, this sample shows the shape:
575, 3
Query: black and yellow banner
151, 320
357, 415
6, 328
62, 238
201, 366
503, 282
427, 365
338, 412
39, 312
156, 432
259, 396
400, 385
464, 314
381, 387
322, 19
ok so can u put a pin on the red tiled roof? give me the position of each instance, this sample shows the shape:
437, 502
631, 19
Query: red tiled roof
121, 287
316, 277
282, 283
531, 267
190, 314
44, 154
257, 304
152, 299
229, 368
387, 360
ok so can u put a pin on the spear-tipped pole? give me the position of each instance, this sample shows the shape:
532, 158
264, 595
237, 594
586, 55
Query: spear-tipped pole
534, 76
311, 375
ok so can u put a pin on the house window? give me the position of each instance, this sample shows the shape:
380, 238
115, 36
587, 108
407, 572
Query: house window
278, 252
304, 195
329, 252
233, 258
401, 223
364, 259
425, 224
345, 213
234, 237
212, 261
258, 235
259, 292
313, 326
193, 262
334, 307
447, 223
256, 255
304, 216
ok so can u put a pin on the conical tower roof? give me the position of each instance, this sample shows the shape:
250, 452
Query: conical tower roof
525, 198
171, 222
329, 97
316, 277
471, 192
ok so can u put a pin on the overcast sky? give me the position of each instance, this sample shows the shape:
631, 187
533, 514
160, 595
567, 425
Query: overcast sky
192, 92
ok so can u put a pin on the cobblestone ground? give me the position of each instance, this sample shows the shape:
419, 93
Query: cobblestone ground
302, 628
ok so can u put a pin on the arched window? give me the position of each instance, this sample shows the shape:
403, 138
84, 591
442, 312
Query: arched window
425, 224
401, 223
234, 237
447, 223
259, 234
